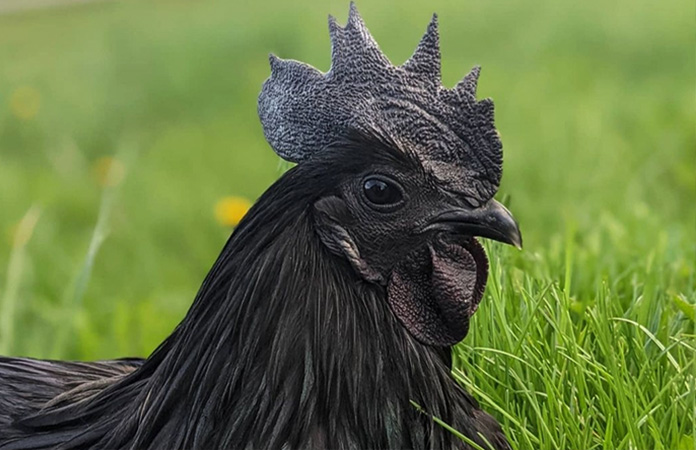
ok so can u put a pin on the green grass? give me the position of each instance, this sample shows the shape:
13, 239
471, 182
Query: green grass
585, 340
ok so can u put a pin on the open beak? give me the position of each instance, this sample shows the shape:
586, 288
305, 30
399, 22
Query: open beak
491, 220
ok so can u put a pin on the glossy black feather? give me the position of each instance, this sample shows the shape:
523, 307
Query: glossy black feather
28, 385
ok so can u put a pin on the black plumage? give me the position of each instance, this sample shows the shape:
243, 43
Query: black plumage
329, 313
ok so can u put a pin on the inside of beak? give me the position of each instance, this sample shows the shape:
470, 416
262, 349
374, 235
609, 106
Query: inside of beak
492, 221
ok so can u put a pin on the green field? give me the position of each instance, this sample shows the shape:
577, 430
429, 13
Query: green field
585, 340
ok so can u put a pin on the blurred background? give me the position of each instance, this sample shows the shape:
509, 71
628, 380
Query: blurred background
130, 145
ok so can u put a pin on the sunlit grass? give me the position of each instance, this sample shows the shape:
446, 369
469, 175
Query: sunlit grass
617, 371
20, 236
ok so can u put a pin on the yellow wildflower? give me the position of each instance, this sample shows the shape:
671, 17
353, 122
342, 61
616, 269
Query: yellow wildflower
230, 210
25, 102
108, 171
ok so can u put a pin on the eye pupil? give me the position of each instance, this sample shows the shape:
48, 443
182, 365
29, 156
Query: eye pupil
381, 192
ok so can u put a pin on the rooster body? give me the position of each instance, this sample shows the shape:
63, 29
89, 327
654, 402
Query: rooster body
329, 313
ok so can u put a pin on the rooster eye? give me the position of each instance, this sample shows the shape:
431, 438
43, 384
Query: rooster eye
382, 192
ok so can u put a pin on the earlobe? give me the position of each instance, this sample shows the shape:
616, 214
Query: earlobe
329, 215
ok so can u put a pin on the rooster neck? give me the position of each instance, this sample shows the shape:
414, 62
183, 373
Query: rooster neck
284, 347
284, 333
285, 344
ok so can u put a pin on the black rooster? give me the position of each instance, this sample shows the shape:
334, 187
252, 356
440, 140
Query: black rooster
331, 311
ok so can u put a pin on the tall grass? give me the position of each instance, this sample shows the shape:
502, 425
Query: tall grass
9, 299
615, 370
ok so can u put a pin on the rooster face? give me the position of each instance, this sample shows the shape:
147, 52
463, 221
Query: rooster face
399, 226
414, 187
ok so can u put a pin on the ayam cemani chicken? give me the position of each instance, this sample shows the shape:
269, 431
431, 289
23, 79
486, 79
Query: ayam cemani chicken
327, 321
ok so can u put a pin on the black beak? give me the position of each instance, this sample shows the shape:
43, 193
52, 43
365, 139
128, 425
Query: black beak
492, 221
